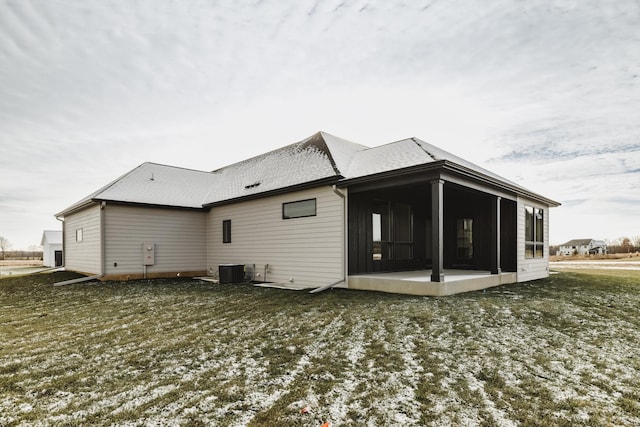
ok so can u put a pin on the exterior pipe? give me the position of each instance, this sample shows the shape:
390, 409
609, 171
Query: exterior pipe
325, 287
81, 279
338, 192
103, 205
344, 242
64, 251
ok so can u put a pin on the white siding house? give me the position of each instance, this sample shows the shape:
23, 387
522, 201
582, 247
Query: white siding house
534, 265
83, 241
176, 234
51, 248
152, 204
301, 252
318, 213
583, 247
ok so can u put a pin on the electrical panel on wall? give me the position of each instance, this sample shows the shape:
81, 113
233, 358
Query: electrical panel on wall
148, 253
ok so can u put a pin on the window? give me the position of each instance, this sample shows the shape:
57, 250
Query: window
392, 230
79, 235
533, 232
300, 209
226, 231
381, 230
465, 239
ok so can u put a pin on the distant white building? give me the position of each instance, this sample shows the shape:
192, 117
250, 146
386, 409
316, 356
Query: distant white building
583, 247
51, 248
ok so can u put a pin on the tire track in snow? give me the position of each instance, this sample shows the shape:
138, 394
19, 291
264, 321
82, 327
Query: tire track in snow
355, 351
499, 416
312, 351
411, 375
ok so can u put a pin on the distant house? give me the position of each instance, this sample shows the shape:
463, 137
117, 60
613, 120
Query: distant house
51, 248
583, 247
404, 217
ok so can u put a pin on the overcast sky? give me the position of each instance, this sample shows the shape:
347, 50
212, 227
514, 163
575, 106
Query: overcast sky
546, 94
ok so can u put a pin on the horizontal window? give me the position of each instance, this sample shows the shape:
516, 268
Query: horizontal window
299, 209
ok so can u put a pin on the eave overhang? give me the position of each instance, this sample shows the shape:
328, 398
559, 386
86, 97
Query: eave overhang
75, 208
97, 201
442, 169
297, 187
149, 205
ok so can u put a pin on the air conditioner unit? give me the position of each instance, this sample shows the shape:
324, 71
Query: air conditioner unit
231, 273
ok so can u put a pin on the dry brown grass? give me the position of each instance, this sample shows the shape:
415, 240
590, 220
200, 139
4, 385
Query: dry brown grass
21, 262
611, 257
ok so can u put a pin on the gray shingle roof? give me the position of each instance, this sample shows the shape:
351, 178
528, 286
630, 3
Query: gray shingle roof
320, 157
440, 154
155, 184
396, 155
577, 242
53, 237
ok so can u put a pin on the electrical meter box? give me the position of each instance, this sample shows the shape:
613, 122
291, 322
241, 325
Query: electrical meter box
148, 253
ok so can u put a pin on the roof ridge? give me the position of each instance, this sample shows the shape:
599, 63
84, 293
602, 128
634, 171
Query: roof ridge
303, 143
93, 195
175, 167
313, 139
415, 140
342, 152
115, 181
222, 168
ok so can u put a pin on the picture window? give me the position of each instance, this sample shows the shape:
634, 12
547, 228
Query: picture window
299, 209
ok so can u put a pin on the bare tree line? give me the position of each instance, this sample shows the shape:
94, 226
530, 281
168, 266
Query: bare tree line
34, 251
623, 245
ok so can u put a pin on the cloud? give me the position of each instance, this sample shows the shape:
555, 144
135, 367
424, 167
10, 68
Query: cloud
544, 93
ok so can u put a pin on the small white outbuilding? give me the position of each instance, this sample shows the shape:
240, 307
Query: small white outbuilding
51, 248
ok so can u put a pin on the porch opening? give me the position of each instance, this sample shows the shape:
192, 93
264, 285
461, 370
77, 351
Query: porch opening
390, 229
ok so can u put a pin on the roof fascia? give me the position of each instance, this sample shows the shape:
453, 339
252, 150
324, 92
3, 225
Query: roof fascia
454, 172
478, 176
149, 205
75, 208
96, 201
393, 174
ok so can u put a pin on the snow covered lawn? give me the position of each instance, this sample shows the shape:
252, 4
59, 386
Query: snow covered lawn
564, 350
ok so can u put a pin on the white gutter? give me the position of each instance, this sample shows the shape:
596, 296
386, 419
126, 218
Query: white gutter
64, 251
102, 243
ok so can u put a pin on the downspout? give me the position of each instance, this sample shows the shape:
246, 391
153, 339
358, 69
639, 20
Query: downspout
102, 243
344, 243
64, 250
